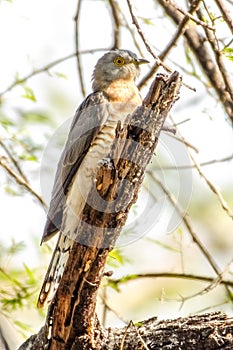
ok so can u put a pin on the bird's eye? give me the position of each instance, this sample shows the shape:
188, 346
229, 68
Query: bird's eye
119, 61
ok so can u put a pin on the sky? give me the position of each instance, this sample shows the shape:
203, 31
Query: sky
33, 34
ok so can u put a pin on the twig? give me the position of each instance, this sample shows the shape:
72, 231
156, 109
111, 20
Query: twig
196, 42
21, 181
194, 236
196, 20
14, 161
218, 56
107, 307
209, 183
140, 337
185, 142
200, 278
193, 166
79, 66
131, 31
180, 30
46, 68
225, 13
115, 14
158, 61
212, 187
124, 336
148, 47
211, 286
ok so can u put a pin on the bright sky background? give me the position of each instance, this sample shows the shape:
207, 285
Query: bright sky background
34, 33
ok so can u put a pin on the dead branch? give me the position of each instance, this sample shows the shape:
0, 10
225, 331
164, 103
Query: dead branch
20, 180
79, 65
71, 317
115, 10
208, 331
197, 44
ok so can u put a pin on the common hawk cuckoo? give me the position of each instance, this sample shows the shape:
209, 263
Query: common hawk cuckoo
92, 132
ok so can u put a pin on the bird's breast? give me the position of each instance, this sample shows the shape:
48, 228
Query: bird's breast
123, 91
122, 100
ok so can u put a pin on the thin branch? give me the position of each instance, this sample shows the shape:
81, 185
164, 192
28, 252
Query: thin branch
213, 41
196, 42
200, 278
158, 61
131, 31
37, 71
79, 66
117, 23
211, 286
188, 225
14, 161
46, 68
107, 307
225, 13
185, 142
180, 30
213, 188
196, 20
21, 181
193, 166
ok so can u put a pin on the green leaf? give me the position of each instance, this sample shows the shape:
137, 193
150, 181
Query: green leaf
12, 191
228, 53
23, 326
30, 157
147, 21
60, 75
163, 245
29, 94
16, 247
5, 121
113, 285
35, 117
30, 274
116, 258
228, 50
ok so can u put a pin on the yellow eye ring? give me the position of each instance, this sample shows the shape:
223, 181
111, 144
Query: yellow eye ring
119, 61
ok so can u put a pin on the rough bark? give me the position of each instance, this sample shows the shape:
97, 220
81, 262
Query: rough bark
202, 332
218, 78
71, 320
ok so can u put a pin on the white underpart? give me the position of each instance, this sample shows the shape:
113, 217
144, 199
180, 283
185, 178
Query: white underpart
85, 176
77, 196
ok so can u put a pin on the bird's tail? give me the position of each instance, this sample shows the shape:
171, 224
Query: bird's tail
55, 270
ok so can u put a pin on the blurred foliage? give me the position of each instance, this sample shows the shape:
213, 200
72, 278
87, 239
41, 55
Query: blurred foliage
18, 285
25, 129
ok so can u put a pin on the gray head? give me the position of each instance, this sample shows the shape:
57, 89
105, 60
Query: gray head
116, 64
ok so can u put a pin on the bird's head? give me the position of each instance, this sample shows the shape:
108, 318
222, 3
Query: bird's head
116, 64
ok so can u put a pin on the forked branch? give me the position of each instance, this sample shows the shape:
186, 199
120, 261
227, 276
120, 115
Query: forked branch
71, 321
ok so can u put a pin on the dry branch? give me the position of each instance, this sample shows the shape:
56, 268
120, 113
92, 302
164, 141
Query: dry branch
208, 331
197, 43
71, 320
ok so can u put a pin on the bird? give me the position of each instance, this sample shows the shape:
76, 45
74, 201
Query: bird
92, 131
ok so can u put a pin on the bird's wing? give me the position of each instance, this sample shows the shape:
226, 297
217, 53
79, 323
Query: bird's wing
89, 118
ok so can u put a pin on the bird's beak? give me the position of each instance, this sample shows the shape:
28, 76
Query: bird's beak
142, 61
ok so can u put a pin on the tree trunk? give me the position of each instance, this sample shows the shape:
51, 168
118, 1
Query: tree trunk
202, 332
71, 320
